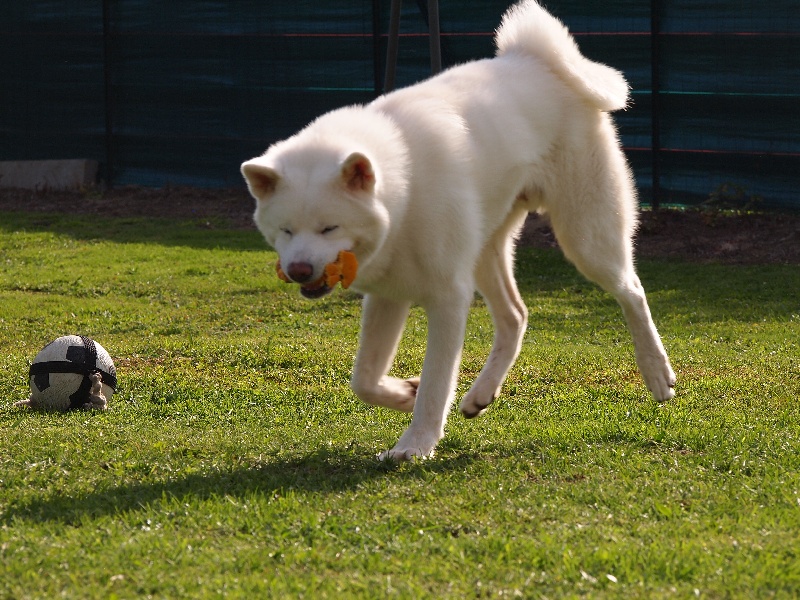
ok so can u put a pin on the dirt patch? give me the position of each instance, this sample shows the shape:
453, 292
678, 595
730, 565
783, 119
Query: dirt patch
695, 235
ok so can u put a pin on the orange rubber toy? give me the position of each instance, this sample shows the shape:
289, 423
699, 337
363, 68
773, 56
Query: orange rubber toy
342, 270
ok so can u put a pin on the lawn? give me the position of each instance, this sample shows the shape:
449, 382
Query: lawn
235, 461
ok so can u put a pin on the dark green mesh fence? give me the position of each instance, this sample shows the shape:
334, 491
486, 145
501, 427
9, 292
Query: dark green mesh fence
181, 92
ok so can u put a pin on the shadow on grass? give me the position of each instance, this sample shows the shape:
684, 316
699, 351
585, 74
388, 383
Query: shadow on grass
323, 471
697, 292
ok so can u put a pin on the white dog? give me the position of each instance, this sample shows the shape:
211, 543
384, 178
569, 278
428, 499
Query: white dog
428, 187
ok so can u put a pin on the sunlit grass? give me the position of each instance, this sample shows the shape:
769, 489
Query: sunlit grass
236, 462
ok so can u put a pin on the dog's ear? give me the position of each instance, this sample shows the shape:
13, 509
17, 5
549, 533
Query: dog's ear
357, 173
260, 180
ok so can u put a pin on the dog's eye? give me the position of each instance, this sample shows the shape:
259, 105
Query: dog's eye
329, 229
287, 231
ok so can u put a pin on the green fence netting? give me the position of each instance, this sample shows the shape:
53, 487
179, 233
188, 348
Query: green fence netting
181, 92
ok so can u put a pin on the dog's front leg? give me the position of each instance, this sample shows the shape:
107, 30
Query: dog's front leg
447, 321
382, 323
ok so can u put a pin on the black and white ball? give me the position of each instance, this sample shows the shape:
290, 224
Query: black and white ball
71, 372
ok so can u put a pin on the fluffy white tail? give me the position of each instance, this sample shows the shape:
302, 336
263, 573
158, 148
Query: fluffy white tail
529, 29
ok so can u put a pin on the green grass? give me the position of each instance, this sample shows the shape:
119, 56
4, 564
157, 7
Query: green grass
235, 462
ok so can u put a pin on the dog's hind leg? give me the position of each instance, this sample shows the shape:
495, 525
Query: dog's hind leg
596, 238
382, 322
494, 277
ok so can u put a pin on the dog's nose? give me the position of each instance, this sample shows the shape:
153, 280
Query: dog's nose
300, 271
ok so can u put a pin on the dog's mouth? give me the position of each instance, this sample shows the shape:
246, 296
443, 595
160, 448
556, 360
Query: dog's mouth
342, 270
315, 290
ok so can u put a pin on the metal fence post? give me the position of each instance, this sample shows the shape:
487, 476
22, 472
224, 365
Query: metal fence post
434, 36
392, 47
108, 94
655, 100
376, 46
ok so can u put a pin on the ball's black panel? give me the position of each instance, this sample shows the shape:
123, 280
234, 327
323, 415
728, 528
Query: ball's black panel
76, 354
41, 381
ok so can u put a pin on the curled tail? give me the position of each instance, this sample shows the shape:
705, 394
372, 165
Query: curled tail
528, 29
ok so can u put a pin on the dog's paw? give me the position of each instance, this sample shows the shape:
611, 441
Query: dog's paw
664, 388
411, 446
404, 455
394, 393
399, 394
477, 400
660, 380
411, 384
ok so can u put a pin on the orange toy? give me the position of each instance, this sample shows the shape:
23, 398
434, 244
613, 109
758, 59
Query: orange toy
342, 270
281, 275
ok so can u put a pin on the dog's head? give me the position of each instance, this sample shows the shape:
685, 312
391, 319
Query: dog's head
312, 202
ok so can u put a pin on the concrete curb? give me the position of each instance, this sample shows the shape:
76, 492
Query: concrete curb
48, 174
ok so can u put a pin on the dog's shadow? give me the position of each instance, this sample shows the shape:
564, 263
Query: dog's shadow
327, 470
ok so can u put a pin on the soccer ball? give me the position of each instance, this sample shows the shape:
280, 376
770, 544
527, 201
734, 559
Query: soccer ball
71, 372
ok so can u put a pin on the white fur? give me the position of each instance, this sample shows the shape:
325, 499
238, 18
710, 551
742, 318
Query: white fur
448, 169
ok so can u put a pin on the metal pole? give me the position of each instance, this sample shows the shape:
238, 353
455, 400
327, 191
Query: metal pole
392, 48
434, 36
376, 45
108, 95
655, 100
